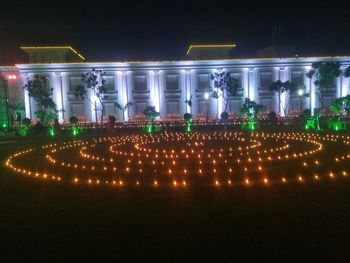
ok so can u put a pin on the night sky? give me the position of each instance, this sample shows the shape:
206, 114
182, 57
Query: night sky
158, 30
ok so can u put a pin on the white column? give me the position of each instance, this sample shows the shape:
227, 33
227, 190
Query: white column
286, 98
57, 93
27, 105
219, 101
188, 90
253, 84
345, 86
94, 113
193, 87
119, 87
130, 113
123, 89
153, 87
63, 97
183, 95
338, 85
213, 103
150, 87
65, 102
160, 78
308, 84
311, 90
157, 91
312, 96
245, 72
277, 76
283, 76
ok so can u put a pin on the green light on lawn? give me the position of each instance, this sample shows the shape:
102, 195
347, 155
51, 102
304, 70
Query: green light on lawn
188, 125
52, 131
251, 126
310, 124
75, 131
149, 128
23, 132
158, 128
337, 125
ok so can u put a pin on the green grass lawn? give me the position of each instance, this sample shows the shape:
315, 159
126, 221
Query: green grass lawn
58, 222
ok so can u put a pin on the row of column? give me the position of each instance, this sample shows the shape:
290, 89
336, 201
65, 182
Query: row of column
155, 84
188, 87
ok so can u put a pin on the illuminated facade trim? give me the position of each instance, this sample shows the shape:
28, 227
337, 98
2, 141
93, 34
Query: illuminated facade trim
210, 46
27, 48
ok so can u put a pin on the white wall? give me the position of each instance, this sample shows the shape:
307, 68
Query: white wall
166, 85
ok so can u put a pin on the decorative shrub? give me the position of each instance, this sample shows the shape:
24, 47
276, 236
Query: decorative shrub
26, 122
224, 116
73, 120
188, 116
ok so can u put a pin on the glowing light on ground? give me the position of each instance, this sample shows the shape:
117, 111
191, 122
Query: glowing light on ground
182, 159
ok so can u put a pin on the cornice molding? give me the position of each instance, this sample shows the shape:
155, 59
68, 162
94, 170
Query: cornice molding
175, 65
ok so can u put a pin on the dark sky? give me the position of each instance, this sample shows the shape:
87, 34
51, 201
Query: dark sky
155, 29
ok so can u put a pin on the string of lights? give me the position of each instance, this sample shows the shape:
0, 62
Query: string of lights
180, 159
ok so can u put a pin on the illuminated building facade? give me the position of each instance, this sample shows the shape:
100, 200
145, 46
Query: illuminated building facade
167, 84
